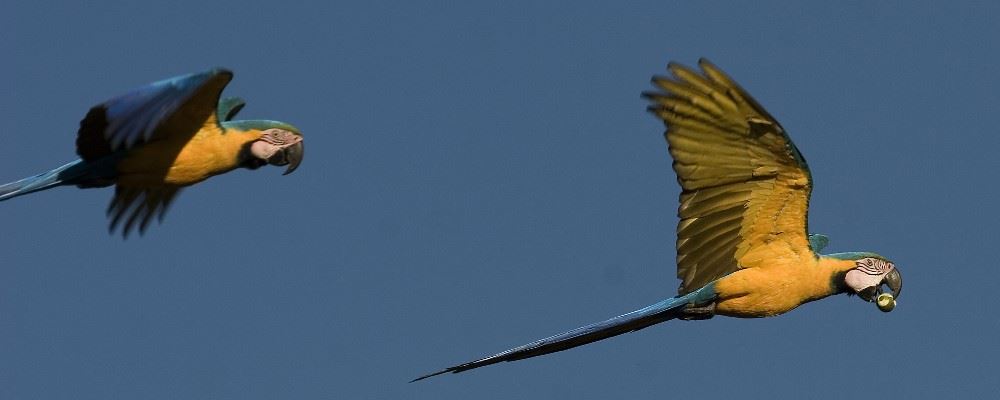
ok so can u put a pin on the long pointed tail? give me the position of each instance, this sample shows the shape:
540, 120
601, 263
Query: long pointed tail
647, 316
46, 180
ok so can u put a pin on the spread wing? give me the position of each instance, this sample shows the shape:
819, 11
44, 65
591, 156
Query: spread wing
175, 107
745, 185
133, 206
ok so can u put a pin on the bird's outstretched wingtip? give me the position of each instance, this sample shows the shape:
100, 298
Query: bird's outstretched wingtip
219, 71
443, 371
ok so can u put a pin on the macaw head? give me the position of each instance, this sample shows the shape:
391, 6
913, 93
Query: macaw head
870, 273
279, 147
279, 144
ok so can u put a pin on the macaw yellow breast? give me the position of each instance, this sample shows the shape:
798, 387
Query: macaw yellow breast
779, 287
208, 153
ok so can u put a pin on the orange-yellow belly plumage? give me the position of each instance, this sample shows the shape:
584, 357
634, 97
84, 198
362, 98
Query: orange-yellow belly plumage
778, 288
184, 162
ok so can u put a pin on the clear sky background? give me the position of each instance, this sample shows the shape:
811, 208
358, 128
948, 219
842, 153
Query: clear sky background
478, 176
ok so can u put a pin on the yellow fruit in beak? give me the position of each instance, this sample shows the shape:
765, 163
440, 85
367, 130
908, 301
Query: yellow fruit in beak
885, 302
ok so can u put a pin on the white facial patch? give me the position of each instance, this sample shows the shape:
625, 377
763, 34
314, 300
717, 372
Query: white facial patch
271, 141
263, 150
868, 272
280, 138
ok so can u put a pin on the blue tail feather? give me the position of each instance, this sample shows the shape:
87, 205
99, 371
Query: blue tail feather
647, 316
64, 175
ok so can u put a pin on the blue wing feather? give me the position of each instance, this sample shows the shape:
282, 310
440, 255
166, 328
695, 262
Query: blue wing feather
818, 242
175, 106
642, 318
229, 107
79, 172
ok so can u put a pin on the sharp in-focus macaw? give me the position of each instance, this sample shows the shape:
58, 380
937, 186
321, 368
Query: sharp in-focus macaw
742, 243
160, 138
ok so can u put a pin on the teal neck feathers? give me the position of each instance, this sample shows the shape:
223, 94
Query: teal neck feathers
259, 125
854, 255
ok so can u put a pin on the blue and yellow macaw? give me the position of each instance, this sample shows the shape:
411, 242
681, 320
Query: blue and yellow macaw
742, 244
160, 138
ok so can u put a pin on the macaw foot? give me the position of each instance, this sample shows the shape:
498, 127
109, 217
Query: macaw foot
691, 313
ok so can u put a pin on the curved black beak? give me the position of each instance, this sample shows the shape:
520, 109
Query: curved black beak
293, 155
893, 280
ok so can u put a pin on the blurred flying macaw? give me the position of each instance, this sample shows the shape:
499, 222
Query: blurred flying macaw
157, 139
742, 246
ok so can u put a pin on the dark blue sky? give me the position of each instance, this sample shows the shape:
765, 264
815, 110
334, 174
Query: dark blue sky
478, 176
